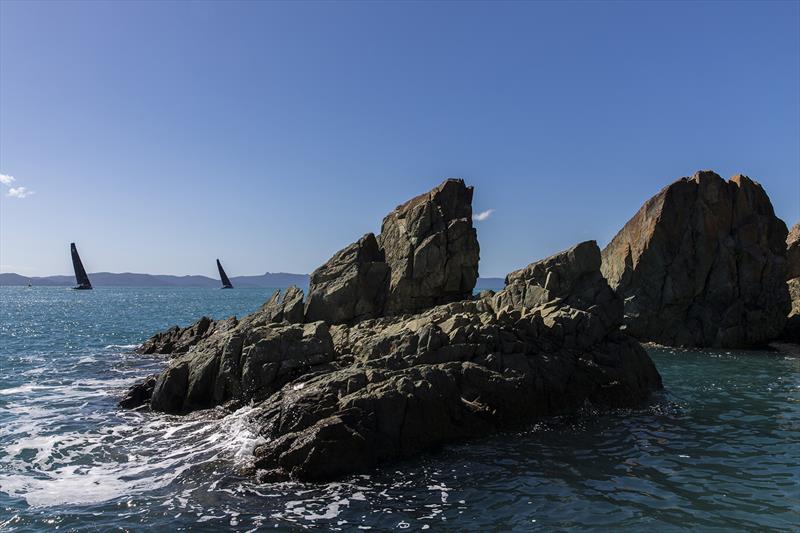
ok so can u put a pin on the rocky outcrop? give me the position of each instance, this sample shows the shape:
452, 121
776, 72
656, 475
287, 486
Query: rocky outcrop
702, 264
178, 340
332, 399
431, 248
352, 285
427, 254
792, 329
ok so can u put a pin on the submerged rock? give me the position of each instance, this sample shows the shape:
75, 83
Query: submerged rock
702, 264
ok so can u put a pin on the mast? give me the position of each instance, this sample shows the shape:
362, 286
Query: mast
80, 273
226, 283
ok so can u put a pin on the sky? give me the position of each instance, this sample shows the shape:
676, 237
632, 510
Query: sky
159, 136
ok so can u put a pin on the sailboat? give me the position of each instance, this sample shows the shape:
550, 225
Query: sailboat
80, 273
226, 282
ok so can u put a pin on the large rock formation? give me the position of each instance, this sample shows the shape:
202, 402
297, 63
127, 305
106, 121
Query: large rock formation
702, 264
336, 399
427, 254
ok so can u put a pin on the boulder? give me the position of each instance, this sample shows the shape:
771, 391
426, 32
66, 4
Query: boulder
427, 254
431, 248
702, 264
350, 286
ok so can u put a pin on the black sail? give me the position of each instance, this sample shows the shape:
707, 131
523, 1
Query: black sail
226, 283
80, 273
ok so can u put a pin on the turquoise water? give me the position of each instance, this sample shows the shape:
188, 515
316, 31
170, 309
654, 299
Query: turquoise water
717, 451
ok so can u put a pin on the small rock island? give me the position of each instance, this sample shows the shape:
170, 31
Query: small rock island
391, 355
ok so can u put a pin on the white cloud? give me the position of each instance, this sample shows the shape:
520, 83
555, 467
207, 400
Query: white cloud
19, 192
5, 179
483, 215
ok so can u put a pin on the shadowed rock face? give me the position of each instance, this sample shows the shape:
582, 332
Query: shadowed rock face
702, 264
352, 285
336, 399
427, 254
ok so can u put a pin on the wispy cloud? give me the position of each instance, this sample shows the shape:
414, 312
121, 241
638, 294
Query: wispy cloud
14, 192
19, 192
483, 215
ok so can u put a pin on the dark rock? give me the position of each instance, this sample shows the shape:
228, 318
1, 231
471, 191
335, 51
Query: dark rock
332, 400
245, 363
431, 248
352, 285
139, 394
702, 264
178, 340
427, 254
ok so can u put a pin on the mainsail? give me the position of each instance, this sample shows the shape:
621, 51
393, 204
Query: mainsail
80, 274
226, 283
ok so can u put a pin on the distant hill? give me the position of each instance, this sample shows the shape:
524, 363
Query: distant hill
129, 279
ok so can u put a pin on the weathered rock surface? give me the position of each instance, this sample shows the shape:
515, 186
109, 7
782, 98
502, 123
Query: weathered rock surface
702, 264
352, 285
431, 248
792, 328
427, 254
178, 340
336, 399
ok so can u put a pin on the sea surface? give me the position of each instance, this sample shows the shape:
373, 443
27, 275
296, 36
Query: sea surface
718, 450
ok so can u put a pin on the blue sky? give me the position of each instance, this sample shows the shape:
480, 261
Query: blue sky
159, 136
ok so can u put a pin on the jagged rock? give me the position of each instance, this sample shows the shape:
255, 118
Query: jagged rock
178, 340
431, 248
792, 328
139, 394
242, 364
793, 252
427, 254
702, 264
336, 399
286, 306
352, 285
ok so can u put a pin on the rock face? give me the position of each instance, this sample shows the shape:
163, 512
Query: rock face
792, 329
179, 340
352, 285
427, 254
431, 248
333, 399
702, 264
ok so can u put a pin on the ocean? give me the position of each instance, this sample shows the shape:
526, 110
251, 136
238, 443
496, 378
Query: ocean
717, 450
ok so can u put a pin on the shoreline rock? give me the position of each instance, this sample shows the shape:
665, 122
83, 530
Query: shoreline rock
702, 264
405, 358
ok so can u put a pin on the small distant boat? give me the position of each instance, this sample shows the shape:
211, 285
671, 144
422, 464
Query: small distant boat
80, 273
226, 282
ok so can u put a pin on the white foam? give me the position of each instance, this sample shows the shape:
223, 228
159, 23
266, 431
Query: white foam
121, 346
125, 453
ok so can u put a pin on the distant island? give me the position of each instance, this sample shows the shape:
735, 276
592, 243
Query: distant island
128, 279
